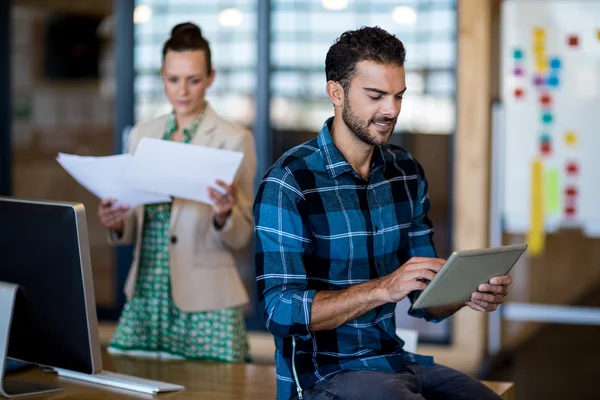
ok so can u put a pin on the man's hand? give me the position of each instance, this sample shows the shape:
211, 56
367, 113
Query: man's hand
332, 308
415, 274
491, 294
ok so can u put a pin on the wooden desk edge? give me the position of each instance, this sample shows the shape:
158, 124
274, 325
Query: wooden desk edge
505, 389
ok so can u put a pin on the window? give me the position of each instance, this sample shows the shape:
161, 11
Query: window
230, 28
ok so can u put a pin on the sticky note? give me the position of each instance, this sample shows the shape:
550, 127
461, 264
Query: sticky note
541, 65
552, 186
536, 234
546, 148
555, 63
518, 54
573, 40
570, 138
553, 81
598, 34
545, 100
518, 71
539, 49
539, 81
539, 34
547, 118
545, 138
572, 168
519, 93
571, 191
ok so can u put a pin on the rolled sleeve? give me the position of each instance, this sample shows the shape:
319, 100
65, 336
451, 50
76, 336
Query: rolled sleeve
281, 242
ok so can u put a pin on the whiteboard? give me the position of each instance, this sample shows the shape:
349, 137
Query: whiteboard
550, 80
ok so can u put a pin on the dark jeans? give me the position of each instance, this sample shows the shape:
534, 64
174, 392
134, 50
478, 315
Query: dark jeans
419, 382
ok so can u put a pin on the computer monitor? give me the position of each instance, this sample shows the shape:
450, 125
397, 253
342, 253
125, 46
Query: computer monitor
44, 254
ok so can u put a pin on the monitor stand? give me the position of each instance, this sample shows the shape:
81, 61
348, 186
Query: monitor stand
13, 388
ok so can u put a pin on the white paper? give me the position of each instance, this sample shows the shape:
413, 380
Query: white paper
103, 176
181, 170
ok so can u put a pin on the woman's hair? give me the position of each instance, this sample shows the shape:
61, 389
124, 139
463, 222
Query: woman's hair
187, 37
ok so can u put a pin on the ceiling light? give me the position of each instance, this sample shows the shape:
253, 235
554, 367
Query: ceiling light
334, 5
404, 15
231, 18
142, 13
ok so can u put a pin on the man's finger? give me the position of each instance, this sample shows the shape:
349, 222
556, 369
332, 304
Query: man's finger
489, 298
501, 280
420, 274
496, 289
430, 265
483, 304
420, 259
475, 306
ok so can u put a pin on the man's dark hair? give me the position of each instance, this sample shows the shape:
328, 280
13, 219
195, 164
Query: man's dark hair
364, 44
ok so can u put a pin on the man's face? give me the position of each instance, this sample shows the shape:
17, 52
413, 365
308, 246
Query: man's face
372, 102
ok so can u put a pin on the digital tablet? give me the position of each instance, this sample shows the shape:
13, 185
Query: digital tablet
464, 271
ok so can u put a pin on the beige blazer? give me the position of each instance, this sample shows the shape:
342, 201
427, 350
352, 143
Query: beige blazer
203, 267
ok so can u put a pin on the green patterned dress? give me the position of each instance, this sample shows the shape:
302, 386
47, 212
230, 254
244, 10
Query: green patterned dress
151, 324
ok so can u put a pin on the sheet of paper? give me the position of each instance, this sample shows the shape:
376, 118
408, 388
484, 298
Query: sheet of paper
181, 170
103, 176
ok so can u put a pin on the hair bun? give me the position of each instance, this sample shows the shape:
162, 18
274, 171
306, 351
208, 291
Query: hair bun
186, 28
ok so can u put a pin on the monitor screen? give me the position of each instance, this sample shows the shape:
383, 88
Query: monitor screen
44, 250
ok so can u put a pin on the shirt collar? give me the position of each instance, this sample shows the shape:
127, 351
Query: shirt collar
335, 162
189, 131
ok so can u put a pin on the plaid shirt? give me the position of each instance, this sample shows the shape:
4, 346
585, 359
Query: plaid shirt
320, 226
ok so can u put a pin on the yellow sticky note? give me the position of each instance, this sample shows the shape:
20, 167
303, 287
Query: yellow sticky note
541, 65
539, 34
539, 50
536, 236
570, 138
598, 34
553, 194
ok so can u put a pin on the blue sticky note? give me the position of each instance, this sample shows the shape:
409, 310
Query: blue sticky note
518, 54
553, 81
555, 63
546, 118
545, 138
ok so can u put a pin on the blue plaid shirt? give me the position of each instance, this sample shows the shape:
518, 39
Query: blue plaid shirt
320, 226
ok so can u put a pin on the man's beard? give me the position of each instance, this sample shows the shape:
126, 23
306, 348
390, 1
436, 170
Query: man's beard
360, 128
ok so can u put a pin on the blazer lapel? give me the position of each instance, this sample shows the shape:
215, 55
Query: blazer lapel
207, 128
205, 136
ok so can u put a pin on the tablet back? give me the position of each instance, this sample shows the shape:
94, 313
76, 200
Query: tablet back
464, 271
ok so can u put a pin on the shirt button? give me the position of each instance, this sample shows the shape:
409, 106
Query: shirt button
173, 239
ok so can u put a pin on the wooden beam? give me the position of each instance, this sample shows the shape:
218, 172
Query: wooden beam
98, 8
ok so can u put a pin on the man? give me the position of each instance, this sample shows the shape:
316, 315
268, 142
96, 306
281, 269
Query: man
342, 235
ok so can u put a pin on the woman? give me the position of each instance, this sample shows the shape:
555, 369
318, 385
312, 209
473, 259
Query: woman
184, 292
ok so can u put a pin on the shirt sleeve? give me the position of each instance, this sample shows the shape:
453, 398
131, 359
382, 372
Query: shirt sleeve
281, 241
420, 239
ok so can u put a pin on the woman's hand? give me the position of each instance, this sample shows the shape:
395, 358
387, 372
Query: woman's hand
112, 216
222, 203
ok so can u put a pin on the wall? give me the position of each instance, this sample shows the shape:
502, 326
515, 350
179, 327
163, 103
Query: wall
57, 116
570, 266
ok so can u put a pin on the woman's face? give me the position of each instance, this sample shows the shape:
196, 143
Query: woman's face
186, 79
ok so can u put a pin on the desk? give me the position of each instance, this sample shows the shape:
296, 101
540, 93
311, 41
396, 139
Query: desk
203, 380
